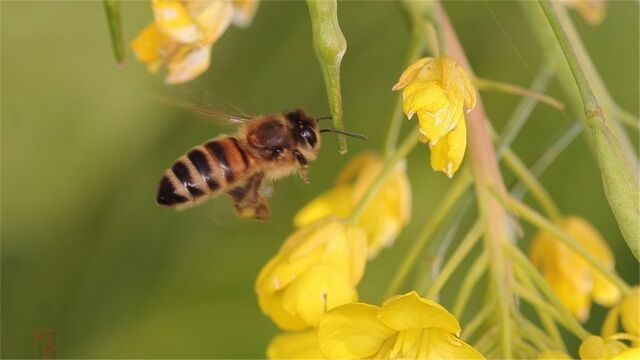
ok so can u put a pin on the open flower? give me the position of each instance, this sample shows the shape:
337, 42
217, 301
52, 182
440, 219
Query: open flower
439, 90
298, 345
316, 269
627, 313
183, 33
405, 327
384, 217
572, 278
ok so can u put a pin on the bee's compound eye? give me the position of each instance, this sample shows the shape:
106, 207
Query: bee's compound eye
309, 135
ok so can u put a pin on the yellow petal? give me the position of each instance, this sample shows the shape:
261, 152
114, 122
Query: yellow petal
595, 347
244, 11
147, 43
425, 67
173, 19
301, 345
436, 344
630, 354
337, 201
553, 355
212, 17
447, 154
610, 324
410, 311
189, 62
352, 331
630, 312
271, 305
427, 96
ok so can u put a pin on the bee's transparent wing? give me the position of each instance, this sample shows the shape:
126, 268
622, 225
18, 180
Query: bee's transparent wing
220, 116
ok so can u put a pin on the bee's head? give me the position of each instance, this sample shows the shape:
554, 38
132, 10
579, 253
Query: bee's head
306, 133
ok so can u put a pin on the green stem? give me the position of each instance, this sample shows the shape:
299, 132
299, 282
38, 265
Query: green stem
401, 152
488, 84
112, 8
619, 174
521, 261
330, 45
531, 182
476, 270
449, 200
534, 334
467, 243
415, 48
479, 318
539, 221
627, 118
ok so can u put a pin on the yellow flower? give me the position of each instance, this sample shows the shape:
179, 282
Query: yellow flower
183, 33
439, 90
406, 326
316, 269
300, 345
573, 280
628, 312
384, 217
592, 11
595, 347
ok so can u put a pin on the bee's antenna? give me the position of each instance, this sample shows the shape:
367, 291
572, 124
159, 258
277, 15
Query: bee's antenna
324, 118
345, 132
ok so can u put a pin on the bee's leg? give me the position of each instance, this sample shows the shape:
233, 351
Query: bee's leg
303, 169
248, 201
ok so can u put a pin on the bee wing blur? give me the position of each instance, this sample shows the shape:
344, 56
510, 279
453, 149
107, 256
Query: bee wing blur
220, 116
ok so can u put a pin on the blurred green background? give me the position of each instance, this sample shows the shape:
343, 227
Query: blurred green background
85, 249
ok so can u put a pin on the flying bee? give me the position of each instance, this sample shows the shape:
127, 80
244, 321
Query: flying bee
265, 148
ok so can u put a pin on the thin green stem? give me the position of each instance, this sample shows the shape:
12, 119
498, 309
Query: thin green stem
330, 45
520, 260
525, 212
401, 152
112, 8
534, 334
467, 243
479, 318
627, 118
531, 182
476, 270
415, 48
488, 84
449, 200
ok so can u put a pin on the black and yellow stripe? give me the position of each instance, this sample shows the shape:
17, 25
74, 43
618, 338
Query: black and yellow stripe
204, 171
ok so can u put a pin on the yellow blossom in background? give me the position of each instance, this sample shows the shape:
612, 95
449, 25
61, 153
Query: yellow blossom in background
597, 348
405, 327
299, 345
183, 33
592, 11
386, 214
439, 91
627, 313
316, 269
573, 280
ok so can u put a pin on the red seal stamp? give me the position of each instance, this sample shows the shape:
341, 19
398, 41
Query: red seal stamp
45, 343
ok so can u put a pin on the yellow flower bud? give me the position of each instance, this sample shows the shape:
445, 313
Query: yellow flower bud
183, 33
386, 214
573, 280
405, 327
627, 312
439, 90
316, 269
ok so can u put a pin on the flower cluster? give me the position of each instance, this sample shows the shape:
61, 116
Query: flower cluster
438, 90
571, 277
183, 33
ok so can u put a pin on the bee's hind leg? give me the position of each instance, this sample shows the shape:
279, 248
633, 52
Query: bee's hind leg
249, 203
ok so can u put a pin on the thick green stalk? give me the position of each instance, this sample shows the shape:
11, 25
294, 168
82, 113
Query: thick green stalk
329, 45
618, 165
487, 175
112, 8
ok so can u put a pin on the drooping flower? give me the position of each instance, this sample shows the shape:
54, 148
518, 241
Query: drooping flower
439, 90
316, 269
592, 11
626, 312
385, 216
573, 279
405, 327
597, 348
298, 345
183, 33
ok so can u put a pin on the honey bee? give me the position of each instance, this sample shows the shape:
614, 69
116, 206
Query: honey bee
267, 147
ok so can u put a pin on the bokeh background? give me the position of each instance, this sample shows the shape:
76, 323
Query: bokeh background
85, 249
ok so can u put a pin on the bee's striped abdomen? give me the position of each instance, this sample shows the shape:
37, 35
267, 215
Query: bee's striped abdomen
204, 171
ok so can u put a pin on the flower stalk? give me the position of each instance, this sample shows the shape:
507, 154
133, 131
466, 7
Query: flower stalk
114, 19
330, 45
488, 84
476, 270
